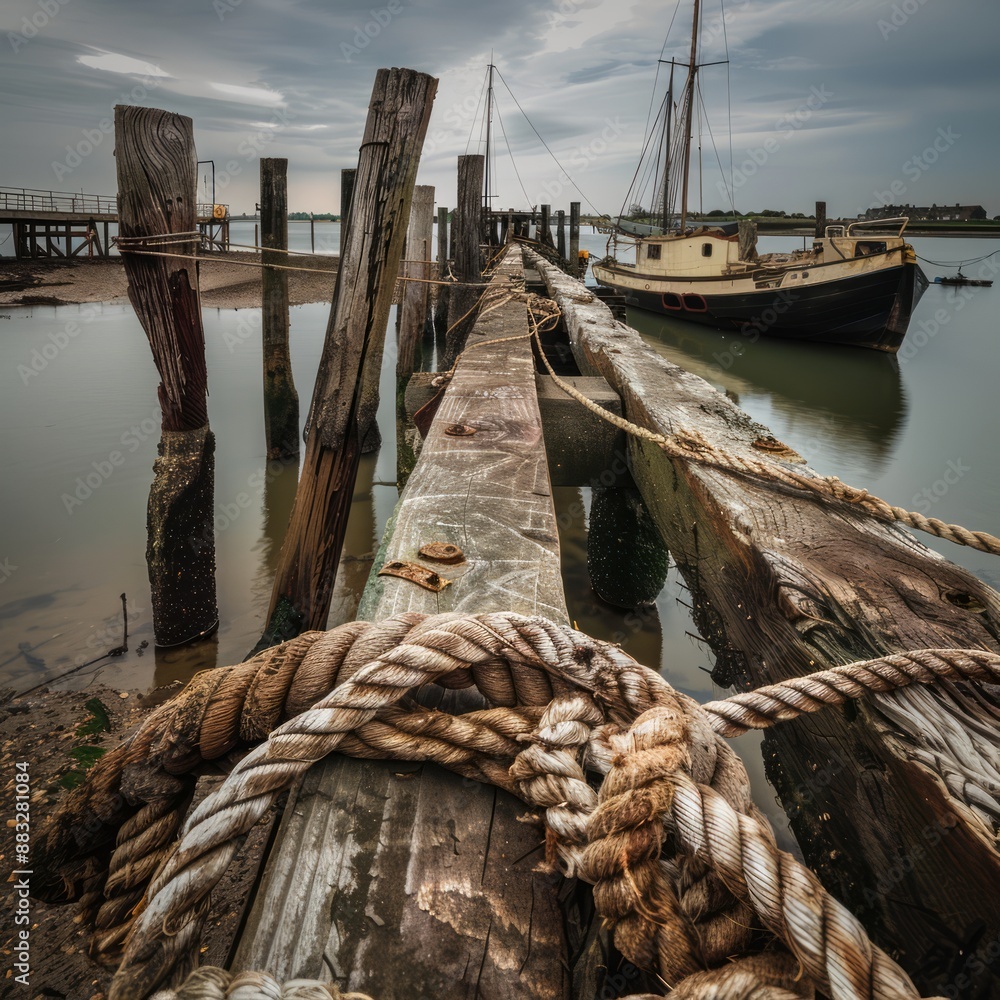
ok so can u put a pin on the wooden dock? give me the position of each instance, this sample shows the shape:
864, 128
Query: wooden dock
63, 224
403, 880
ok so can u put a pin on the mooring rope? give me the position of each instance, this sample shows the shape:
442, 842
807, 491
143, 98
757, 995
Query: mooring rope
690, 445
555, 689
138, 245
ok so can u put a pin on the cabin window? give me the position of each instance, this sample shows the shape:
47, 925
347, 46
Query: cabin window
706, 249
653, 251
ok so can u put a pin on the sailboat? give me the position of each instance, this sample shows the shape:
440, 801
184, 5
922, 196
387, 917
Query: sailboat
857, 284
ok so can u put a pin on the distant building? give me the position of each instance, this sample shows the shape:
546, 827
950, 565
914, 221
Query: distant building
936, 213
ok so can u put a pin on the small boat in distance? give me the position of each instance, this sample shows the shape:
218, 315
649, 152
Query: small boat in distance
961, 279
858, 283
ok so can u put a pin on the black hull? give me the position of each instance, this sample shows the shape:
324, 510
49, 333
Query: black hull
866, 310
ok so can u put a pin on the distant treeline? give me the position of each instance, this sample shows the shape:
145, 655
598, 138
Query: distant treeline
322, 216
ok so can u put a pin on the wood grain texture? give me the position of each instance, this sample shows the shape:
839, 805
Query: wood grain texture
156, 164
401, 880
466, 236
344, 400
784, 585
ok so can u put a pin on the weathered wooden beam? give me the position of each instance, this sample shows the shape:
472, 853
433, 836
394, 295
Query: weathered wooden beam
579, 446
156, 164
404, 880
387, 167
561, 233
281, 401
893, 798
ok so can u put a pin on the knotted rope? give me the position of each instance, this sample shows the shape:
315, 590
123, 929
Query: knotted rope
562, 701
140, 791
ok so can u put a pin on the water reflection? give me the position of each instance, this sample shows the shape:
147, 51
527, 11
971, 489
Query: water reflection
845, 404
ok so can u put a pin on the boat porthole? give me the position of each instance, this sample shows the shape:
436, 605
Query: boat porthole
646, 287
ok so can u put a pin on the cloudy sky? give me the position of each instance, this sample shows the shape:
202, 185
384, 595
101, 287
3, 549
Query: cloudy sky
857, 102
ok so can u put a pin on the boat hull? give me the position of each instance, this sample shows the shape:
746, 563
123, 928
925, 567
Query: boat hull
869, 309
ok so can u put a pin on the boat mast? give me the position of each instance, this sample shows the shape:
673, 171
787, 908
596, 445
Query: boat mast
665, 220
487, 193
689, 111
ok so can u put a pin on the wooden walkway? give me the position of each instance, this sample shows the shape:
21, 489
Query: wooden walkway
64, 224
401, 880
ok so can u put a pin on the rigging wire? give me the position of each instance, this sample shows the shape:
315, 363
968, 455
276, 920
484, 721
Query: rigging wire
718, 159
510, 153
475, 116
957, 263
597, 211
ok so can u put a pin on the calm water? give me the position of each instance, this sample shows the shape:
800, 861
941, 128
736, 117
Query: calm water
68, 400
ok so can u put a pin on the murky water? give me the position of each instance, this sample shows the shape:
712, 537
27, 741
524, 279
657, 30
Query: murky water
79, 424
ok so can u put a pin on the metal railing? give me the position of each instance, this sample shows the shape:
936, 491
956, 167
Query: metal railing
34, 200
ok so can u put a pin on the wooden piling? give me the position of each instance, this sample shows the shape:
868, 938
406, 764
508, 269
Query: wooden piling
574, 235
156, 166
281, 401
466, 235
347, 176
561, 233
820, 219
545, 226
405, 881
882, 793
387, 166
441, 291
413, 309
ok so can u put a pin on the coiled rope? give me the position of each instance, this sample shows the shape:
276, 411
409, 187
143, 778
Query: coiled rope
565, 705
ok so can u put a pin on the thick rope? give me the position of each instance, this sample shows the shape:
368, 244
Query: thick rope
212, 983
232, 707
796, 696
443, 647
690, 445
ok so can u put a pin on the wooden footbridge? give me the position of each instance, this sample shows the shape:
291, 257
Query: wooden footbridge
66, 224
595, 836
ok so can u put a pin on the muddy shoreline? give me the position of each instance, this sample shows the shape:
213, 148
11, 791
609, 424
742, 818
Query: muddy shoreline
226, 280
